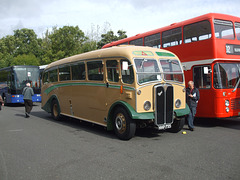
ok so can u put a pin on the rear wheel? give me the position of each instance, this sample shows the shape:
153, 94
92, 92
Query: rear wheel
124, 126
177, 125
55, 110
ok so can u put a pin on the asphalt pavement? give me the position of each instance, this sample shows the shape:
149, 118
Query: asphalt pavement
39, 148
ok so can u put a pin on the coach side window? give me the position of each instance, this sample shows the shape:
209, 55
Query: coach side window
127, 72
95, 70
45, 78
78, 71
53, 76
112, 70
64, 73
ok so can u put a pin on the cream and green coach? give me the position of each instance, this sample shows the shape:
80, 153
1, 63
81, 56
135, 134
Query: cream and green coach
121, 88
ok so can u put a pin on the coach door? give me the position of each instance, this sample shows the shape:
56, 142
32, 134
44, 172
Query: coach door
113, 85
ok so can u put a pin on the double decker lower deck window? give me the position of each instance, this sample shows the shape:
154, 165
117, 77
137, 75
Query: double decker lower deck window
202, 77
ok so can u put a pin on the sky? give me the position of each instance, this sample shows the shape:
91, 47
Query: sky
132, 16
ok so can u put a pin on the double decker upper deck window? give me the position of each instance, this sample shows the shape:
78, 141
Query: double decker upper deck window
223, 29
237, 29
137, 42
172, 37
153, 40
197, 32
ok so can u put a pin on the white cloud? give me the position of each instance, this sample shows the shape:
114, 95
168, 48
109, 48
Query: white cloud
133, 16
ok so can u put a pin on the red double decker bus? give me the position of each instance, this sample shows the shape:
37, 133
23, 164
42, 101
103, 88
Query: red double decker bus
209, 49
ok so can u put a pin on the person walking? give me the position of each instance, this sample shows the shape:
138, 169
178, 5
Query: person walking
1, 102
192, 96
27, 97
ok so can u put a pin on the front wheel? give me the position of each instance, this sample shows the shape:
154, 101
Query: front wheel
55, 110
124, 126
177, 125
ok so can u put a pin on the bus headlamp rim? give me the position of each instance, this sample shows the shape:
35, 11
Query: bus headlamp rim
178, 103
139, 92
227, 109
227, 103
147, 105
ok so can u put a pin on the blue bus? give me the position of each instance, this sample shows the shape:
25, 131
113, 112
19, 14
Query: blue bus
14, 78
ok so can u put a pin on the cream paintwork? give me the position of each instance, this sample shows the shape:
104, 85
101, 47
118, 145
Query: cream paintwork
92, 102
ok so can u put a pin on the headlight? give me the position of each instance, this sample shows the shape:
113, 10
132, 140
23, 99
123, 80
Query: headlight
178, 103
227, 109
147, 105
227, 103
139, 92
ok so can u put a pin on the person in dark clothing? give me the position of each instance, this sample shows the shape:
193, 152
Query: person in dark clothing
1, 102
27, 97
192, 96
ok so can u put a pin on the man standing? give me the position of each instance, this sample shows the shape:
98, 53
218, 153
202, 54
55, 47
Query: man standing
27, 97
193, 96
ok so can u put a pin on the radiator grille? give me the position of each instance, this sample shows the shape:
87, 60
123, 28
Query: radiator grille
235, 103
164, 104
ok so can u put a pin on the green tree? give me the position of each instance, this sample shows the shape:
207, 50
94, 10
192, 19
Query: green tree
66, 41
7, 50
110, 37
24, 47
24, 59
26, 42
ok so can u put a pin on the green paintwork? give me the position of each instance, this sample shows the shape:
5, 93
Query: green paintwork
51, 88
182, 112
48, 106
133, 114
142, 53
165, 54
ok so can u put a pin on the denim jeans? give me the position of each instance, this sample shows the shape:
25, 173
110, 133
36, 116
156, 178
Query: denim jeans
191, 117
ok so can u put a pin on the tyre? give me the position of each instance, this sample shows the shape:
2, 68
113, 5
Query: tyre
177, 125
55, 110
124, 126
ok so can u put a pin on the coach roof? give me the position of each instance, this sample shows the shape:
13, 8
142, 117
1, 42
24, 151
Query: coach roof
116, 51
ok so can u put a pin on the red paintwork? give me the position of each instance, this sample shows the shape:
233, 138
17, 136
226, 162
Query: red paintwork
212, 101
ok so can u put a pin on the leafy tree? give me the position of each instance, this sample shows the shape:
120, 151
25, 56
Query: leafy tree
25, 60
7, 50
121, 34
25, 48
110, 37
26, 42
66, 41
